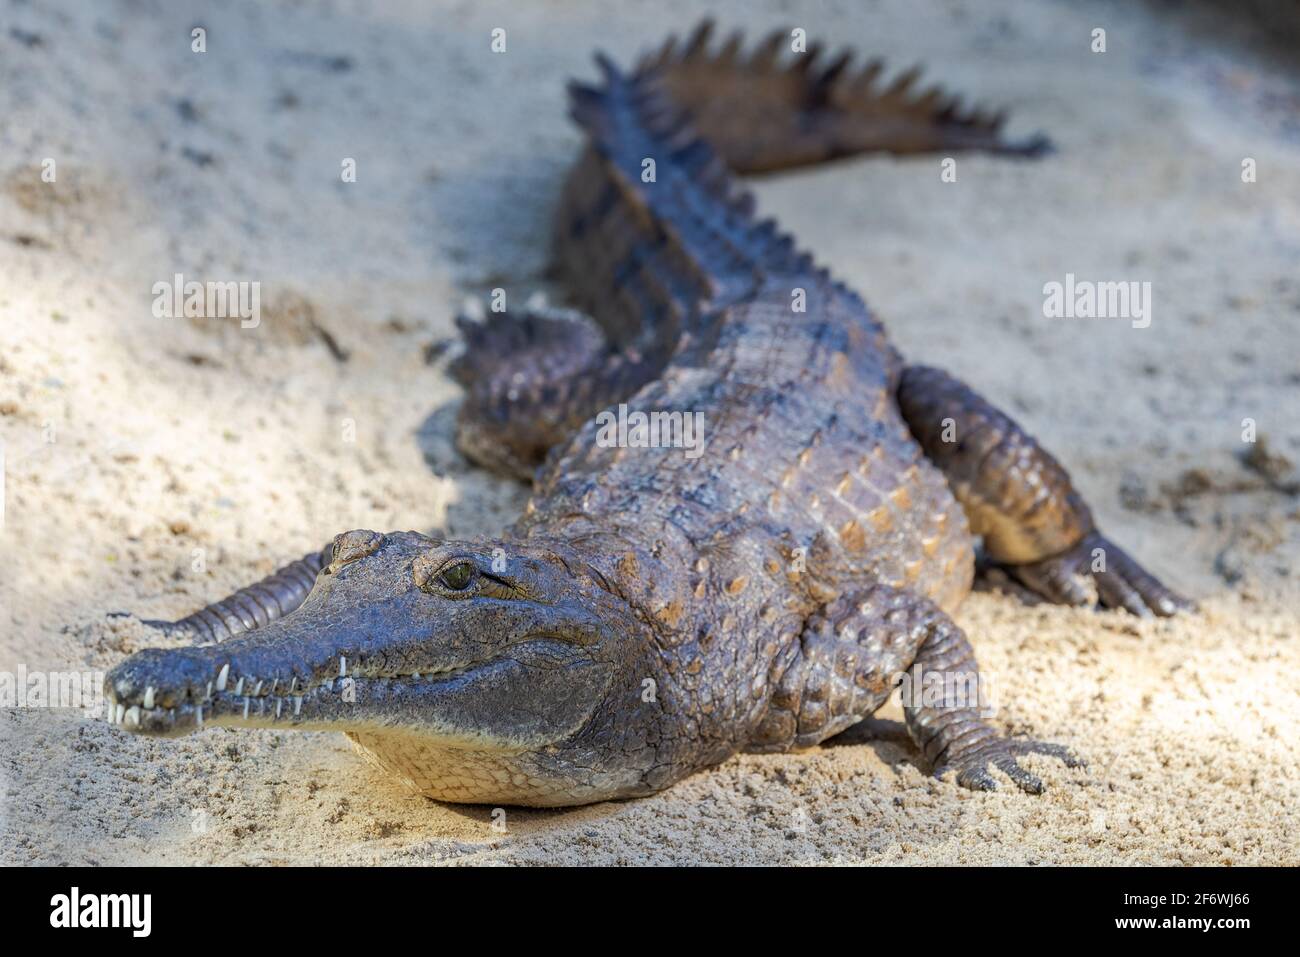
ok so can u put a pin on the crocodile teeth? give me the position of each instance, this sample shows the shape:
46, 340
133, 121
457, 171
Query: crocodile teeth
221, 678
120, 714
297, 705
239, 687
198, 716
148, 698
257, 689
208, 693
247, 702
279, 705
132, 716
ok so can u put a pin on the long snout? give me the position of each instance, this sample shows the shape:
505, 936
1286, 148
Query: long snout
259, 679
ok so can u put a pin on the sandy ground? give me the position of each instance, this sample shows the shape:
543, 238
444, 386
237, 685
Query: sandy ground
131, 441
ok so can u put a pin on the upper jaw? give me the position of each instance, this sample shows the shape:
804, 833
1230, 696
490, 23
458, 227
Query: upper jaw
141, 700
289, 669
370, 649
456, 680
533, 693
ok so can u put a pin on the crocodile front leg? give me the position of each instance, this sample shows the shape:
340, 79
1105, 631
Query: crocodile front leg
944, 707
856, 651
1020, 499
842, 667
532, 379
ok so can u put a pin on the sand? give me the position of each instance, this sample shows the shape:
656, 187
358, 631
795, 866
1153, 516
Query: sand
135, 445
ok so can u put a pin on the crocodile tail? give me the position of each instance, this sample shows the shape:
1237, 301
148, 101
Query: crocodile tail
776, 108
654, 230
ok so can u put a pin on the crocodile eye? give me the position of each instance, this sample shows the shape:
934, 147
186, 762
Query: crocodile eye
457, 577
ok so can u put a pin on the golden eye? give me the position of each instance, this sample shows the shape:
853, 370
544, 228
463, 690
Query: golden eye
457, 577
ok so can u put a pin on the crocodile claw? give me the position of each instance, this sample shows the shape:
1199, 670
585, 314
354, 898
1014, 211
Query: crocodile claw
973, 766
1120, 581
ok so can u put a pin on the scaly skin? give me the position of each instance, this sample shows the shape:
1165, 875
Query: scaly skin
655, 611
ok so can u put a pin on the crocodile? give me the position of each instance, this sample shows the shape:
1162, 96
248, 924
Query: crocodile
662, 606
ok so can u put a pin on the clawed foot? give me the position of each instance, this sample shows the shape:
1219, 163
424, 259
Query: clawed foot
973, 765
1121, 582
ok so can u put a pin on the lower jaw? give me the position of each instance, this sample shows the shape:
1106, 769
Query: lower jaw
441, 766
467, 775
336, 705
268, 711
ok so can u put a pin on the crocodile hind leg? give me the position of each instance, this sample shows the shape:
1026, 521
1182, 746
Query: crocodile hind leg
856, 651
272, 598
1019, 498
532, 378
253, 606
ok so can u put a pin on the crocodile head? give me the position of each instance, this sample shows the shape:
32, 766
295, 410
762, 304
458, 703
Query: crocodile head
475, 670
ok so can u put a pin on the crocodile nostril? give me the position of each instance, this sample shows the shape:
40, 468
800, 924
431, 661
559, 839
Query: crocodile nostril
350, 546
